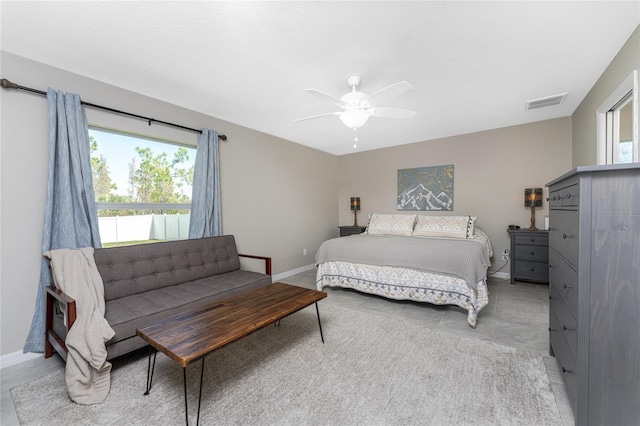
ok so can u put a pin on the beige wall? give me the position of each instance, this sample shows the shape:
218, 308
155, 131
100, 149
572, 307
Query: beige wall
491, 170
278, 197
584, 117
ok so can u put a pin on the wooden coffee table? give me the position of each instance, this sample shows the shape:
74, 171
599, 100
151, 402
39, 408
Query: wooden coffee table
189, 336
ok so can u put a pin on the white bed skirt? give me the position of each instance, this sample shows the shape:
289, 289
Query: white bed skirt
405, 284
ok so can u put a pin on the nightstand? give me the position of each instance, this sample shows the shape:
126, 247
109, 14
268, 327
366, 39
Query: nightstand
351, 230
529, 255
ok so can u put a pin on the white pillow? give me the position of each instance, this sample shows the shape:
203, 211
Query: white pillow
391, 224
445, 226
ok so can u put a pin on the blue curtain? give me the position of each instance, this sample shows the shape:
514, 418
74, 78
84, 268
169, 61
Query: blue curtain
70, 215
206, 217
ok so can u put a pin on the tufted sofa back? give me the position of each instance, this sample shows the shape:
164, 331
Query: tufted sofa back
140, 268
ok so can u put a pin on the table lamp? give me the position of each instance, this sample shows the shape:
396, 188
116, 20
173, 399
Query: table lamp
355, 206
533, 199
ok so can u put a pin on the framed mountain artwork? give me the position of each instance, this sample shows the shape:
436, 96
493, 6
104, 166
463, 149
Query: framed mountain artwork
426, 188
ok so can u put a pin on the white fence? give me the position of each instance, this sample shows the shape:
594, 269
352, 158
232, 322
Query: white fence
144, 227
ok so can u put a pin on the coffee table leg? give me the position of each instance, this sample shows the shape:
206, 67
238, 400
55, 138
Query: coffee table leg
150, 368
200, 391
319, 324
186, 406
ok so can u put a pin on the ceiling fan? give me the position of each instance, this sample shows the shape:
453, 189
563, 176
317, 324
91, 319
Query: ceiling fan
357, 107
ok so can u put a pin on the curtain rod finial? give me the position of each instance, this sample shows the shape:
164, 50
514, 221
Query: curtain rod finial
8, 85
223, 137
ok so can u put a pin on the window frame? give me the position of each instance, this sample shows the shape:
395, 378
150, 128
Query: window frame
607, 121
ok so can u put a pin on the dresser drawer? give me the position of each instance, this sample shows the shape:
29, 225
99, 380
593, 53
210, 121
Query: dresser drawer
563, 235
532, 240
567, 365
565, 279
532, 270
532, 253
565, 197
345, 231
567, 322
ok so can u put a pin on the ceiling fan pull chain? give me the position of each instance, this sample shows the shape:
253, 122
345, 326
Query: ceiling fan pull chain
355, 143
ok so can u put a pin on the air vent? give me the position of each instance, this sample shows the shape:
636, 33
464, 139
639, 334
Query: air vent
546, 101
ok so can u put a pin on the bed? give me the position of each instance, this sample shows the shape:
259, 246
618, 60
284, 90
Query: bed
423, 258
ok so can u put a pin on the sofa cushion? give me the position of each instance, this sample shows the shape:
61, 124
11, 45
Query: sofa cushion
131, 270
138, 310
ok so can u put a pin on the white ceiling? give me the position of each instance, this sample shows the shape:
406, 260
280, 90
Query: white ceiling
472, 64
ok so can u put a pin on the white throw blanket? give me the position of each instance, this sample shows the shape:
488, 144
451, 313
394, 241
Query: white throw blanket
87, 371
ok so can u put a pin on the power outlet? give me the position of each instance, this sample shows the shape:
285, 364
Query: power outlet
304, 252
505, 254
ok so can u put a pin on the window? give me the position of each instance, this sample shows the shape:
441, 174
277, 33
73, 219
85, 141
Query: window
622, 143
142, 187
617, 123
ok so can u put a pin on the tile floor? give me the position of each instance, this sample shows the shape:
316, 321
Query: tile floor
516, 316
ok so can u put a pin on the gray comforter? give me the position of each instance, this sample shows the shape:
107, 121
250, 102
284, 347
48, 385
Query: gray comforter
466, 259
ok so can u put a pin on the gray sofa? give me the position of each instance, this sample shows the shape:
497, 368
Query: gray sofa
148, 282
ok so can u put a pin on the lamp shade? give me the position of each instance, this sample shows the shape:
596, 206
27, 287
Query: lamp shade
354, 118
355, 203
532, 197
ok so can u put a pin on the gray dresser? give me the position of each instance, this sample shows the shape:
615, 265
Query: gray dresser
529, 255
594, 291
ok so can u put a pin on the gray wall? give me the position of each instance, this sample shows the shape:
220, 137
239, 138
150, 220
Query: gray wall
278, 197
584, 117
491, 171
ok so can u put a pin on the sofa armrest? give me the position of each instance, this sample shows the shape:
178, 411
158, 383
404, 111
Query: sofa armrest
52, 340
267, 261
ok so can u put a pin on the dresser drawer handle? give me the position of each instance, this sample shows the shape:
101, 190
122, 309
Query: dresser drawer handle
533, 253
564, 370
551, 330
567, 286
547, 199
532, 269
565, 236
533, 240
565, 328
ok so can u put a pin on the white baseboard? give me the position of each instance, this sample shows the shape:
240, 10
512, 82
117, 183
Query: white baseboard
14, 358
504, 275
7, 360
287, 274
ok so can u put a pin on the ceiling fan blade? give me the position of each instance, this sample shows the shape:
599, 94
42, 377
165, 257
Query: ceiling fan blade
391, 112
319, 115
388, 92
322, 95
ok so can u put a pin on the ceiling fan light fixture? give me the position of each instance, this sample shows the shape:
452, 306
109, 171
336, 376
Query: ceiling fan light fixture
354, 118
357, 107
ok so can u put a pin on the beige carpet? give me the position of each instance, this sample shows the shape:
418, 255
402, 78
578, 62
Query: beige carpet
372, 370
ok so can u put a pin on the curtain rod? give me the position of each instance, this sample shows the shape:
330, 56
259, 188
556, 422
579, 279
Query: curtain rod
10, 85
